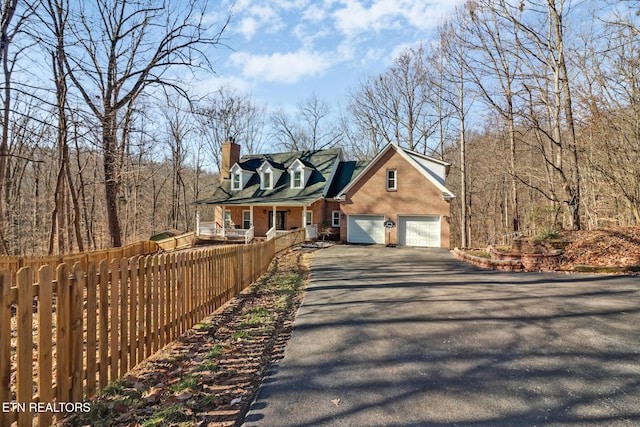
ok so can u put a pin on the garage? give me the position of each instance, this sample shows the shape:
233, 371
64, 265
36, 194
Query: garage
365, 229
419, 231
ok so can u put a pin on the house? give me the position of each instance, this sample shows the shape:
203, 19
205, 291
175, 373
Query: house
353, 200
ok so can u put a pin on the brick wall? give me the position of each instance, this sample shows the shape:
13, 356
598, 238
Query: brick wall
415, 195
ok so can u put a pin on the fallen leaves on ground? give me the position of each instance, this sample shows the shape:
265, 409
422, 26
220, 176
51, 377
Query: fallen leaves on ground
614, 247
210, 375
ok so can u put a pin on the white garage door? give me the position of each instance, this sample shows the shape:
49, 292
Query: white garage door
419, 231
365, 229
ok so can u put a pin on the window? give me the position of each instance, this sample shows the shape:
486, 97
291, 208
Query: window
235, 184
297, 179
227, 219
309, 218
392, 183
246, 220
335, 218
266, 181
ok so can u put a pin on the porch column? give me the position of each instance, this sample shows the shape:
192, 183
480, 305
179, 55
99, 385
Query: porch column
223, 222
197, 220
274, 218
304, 217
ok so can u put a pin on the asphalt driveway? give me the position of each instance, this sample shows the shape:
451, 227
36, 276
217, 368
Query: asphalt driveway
412, 337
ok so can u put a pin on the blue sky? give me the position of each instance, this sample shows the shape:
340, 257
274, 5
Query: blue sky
283, 51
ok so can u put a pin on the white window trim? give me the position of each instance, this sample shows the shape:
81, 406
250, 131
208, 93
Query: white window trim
237, 176
335, 218
263, 185
293, 179
394, 187
309, 218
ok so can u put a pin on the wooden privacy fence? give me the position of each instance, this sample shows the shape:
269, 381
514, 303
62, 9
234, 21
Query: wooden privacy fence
66, 333
13, 263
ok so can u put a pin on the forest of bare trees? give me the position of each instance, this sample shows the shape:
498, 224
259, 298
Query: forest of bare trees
536, 104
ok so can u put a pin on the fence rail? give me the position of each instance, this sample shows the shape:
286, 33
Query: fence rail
177, 242
14, 263
108, 317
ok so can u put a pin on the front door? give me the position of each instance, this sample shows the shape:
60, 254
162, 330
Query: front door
281, 220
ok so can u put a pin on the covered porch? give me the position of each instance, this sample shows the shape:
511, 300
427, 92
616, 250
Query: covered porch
244, 223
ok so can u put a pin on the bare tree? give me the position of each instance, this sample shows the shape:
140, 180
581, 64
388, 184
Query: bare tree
547, 86
228, 114
11, 23
309, 128
494, 68
116, 50
396, 106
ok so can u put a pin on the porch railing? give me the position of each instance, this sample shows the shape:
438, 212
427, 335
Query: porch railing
212, 229
311, 231
271, 233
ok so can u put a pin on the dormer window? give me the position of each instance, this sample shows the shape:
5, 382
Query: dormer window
299, 174
297, 179
266, 180
239, 177
236, 183
269, 174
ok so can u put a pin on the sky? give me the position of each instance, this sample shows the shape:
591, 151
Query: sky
281, 52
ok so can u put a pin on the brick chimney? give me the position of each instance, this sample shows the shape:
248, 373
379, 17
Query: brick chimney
230, 156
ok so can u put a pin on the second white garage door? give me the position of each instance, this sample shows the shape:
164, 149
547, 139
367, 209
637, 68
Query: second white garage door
365, 229
419, 231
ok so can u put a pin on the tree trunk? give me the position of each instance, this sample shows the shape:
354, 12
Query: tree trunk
111, 181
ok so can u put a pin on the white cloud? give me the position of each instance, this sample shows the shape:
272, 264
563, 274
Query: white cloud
289, 67
356, 16
256, 18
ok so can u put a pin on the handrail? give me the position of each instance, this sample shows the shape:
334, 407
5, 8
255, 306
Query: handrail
271, 233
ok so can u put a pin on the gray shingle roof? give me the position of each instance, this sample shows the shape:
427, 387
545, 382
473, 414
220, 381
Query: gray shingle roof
322, 162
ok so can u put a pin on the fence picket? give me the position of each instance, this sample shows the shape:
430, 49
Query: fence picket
114, 319
24, 353
5, 343
76, 332
143, 270
103, 323
63, 340
45, 341
133, 270
92, 323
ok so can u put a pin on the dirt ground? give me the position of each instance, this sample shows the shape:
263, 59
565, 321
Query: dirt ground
210, 376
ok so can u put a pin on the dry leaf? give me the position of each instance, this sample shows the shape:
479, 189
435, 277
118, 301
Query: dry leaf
335, 402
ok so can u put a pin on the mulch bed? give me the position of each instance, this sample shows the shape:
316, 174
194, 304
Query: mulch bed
210, 376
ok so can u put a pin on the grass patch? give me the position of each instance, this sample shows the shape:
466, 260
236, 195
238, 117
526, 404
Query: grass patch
256, 316
547, 235
185, 382
241, 335
216, 351
167, 416
206, 365
479, 253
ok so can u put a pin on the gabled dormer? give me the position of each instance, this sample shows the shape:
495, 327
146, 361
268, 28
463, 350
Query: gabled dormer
269, 175
299, 174
239, 177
